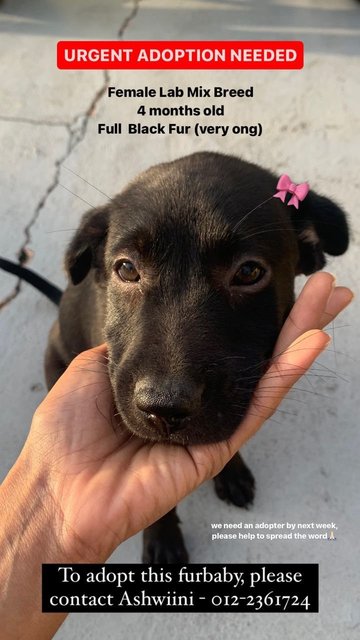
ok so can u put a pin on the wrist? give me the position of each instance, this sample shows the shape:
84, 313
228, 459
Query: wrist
60, 482
28, 538
27, 510
31, 506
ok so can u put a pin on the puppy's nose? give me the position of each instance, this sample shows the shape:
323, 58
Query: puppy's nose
167, 406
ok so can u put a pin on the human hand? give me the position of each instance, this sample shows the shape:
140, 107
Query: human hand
106, 484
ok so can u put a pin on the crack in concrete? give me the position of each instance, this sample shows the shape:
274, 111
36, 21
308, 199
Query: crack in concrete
77, 130
129, 18
33, 121
5, 301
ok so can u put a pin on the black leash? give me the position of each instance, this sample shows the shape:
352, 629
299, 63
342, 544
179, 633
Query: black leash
49, 290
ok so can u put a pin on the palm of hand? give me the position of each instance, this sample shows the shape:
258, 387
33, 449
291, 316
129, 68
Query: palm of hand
105, 482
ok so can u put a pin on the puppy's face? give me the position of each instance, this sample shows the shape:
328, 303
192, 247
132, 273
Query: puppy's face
199, 280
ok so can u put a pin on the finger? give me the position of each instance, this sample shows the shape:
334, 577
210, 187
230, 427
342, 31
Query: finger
85, 376
338, 300
307, 310
314, 308
285, 371
90, 361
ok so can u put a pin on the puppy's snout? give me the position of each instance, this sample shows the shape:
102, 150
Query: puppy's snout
167, 405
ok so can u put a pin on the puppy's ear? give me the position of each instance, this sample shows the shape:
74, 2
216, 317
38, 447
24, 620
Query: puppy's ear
86, 250
321, 228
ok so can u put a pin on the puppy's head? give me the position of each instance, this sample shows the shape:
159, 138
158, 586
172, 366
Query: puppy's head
199, 280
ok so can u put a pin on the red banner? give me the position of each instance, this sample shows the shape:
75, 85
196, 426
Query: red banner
197, 54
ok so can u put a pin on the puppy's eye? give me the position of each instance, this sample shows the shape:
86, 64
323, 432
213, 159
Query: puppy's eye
249, 273
127, 271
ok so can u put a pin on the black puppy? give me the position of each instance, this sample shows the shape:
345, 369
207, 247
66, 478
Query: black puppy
189, 282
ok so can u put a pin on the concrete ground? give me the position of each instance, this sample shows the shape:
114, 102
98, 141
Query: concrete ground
306, 464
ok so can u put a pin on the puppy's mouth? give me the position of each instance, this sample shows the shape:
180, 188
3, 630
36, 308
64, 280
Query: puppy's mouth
206, 427
167, 427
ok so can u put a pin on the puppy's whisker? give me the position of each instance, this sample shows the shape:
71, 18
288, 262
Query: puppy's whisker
302, 390
93, 370
296, 370
59, 230
267, 393
332, 330
270, 226
289, 398
340, 326
106, 418
280, 378
99, 355
234, 357
257, 233
319, 373
342, 353
89, 384
93, 359
76, 195
89, 183
102, 364
261, 415
238, 225
282, 411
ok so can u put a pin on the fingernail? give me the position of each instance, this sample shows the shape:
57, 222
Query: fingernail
351, 298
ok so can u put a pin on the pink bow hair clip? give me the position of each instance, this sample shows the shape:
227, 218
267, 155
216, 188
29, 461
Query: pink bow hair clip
298, 191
